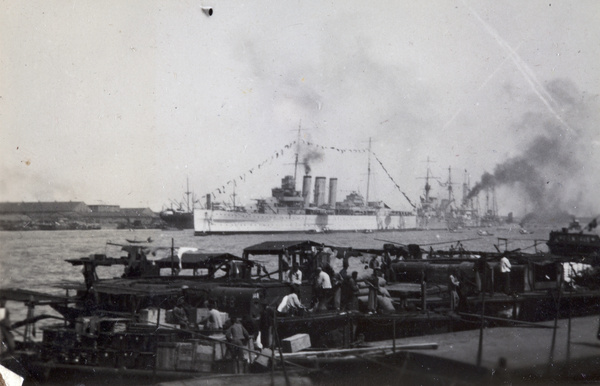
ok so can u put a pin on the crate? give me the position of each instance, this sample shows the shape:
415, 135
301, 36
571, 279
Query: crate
175, 356
149, 316
265, 359
208, 352
165, 356
205, 351
295, 343
185, 356
169, 317
198, 314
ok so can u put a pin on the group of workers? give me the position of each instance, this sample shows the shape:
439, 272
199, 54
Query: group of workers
235, 333
331, 290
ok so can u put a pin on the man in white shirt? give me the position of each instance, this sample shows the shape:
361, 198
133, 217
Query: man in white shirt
213, 320
322, 289
323, 279
290, 304
295, 275
505, 271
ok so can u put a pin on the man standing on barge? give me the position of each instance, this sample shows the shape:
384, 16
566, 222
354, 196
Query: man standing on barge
213, 320
180, 314
322, 290
237, 335
505, 271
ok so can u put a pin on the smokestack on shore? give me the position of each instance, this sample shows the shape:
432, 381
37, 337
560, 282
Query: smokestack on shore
320, 183
332, 192
306, 190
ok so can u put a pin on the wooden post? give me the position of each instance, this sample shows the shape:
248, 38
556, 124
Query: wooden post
172, 256
394, 345
557, 311
569, 336
484, 286
423, 292
280, 265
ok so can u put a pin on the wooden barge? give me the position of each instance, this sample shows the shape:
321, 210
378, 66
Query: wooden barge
125, 325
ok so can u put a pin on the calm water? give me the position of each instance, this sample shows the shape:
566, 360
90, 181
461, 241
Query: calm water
34, 259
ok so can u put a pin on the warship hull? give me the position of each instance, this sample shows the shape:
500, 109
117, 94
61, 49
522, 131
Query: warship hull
208, 222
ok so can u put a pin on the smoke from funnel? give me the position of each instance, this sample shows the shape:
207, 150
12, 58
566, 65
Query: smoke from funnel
556, 171
311, 156
514, 171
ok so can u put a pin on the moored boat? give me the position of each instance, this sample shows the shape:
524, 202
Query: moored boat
574, 243
128, 325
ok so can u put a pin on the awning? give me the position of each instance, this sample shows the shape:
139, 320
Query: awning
196, 260
279, 247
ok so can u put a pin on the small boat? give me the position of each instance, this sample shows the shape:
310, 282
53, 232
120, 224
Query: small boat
134, 241
484, 233
566, 243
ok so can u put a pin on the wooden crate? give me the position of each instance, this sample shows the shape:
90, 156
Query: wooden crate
185, 356
295, 343
264, 360
165, 356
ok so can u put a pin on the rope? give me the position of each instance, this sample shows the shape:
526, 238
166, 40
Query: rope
276, 154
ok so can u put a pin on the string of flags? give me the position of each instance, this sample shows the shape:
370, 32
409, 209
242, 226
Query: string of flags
277, 154
390, 177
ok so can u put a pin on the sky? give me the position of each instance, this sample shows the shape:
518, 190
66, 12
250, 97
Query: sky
121, 103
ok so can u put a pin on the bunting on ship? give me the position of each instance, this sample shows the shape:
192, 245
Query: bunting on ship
276, 155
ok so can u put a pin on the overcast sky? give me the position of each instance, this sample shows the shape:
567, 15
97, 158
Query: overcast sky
118, 102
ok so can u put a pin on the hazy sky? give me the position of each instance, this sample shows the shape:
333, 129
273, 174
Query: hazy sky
118, 102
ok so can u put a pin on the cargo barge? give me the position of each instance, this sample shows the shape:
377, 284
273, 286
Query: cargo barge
129, 325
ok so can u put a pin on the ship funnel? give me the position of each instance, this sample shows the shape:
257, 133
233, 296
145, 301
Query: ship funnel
208, 202
332, 192
306, 190
320, 191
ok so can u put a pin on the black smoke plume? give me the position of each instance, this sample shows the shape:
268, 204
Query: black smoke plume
311, 156
557, 171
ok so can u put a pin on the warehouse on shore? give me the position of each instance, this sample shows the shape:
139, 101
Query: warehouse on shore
67, 215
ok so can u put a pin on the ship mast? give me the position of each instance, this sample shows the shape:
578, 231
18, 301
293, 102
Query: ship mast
233, 195
450, 194
368, 174
187, 193
427, 186
494, 203
465, 193
297, 153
